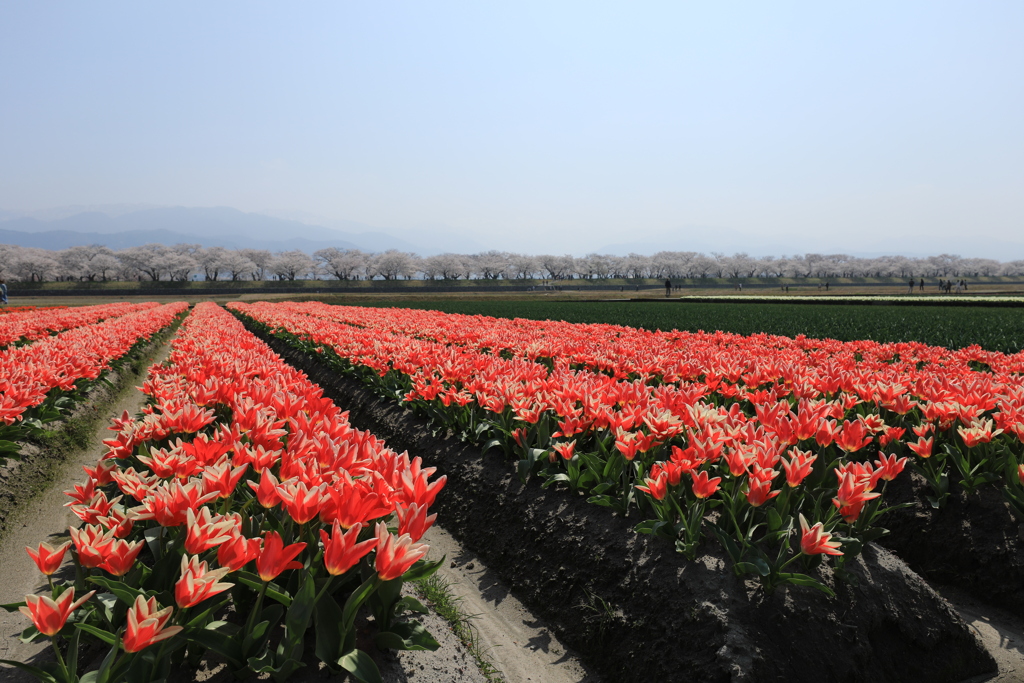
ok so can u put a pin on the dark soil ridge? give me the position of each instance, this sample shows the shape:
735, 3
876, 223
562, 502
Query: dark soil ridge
638, 611
973, 542
23, 479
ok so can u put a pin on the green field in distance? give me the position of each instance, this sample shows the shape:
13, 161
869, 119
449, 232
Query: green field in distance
995, 329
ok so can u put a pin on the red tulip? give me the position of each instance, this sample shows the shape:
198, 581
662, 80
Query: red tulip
923, 446
853, 494
238, 552
147, 625
98, 507
188, 418
206, 530
415, 487
198, 582
565, 449
353, 503
120, 556
82, 493
628, 445
814, 540
853, 436
266, 490
798, 466
826, 433
656, 487
48, 558
703, 487
980, 431
101, 473
738, 459
169, 503
275, 557
341, 551
759, 486
889, 467
300, 501
413, 520
889, 435
395, 554
91, 544
222, 479
117, 522
48, 615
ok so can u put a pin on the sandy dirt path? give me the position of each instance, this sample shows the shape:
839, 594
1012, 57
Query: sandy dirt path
1001, 632
519, 645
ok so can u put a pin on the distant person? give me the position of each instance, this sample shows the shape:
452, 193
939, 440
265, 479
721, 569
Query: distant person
668, 288
965, 284
826, 285
910, 289
3, 291
922, 284
958, 287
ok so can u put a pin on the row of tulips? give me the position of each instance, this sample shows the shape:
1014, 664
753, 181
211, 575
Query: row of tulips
44, 380
30, 324
7, 310
240, 510
779, 448
977, 391
656, 356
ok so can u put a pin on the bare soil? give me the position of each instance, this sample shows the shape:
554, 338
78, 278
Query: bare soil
973, 542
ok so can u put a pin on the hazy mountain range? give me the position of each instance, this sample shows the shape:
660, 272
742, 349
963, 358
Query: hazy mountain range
221, 226
126, 225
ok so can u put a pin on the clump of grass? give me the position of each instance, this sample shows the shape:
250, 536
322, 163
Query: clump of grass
436, 590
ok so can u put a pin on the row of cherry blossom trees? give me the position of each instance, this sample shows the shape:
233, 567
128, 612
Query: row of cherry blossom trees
183, 262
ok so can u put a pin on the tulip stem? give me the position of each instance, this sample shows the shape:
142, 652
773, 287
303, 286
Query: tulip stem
60, 659
788, 562
326, 587
79, 578
257, 608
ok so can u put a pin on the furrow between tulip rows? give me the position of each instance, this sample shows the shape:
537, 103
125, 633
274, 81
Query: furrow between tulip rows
781, 449
238, 511
44, 380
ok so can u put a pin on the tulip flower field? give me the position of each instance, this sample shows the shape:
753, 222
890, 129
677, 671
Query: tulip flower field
238, 511
42, 376
777, 448
241, 518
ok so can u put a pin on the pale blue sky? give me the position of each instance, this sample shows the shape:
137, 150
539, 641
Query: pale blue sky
535, 126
